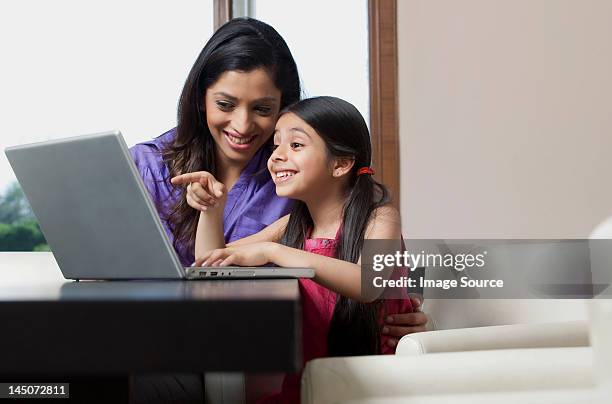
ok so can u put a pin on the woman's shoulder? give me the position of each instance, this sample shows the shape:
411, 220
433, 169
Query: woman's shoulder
148, 154
156, 144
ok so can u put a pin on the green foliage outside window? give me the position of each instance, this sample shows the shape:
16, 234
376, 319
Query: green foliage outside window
19, 230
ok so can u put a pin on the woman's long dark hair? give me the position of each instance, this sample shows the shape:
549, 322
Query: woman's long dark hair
354, 329
242, 44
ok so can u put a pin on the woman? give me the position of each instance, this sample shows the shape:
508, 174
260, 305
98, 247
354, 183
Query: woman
227, 112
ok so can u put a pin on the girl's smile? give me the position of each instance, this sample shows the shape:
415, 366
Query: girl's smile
299, 165
283, 176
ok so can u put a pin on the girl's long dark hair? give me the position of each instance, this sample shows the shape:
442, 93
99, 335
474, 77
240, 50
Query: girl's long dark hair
354, 329
242, 44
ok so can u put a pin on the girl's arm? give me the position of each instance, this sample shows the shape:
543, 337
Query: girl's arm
209, 234
340, 276
273, 232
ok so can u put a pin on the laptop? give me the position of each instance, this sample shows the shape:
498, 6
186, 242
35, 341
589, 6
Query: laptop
98, 218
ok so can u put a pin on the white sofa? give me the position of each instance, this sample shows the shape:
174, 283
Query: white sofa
454, 373
526, 356
484, 351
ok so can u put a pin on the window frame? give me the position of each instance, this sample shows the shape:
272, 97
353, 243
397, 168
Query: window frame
384, 125
222, 12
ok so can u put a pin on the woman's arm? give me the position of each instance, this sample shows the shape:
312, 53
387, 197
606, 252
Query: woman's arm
208, 196
209, 233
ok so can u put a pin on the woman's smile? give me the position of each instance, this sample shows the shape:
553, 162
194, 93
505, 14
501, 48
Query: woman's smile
239, 142
241, 111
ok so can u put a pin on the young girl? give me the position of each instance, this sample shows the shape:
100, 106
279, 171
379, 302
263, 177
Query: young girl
321, 158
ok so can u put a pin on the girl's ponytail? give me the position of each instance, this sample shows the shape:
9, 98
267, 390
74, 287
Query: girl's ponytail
354, 329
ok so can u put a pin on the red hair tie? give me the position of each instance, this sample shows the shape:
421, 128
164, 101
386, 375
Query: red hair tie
365, 170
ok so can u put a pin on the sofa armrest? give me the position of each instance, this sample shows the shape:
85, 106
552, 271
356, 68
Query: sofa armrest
332, 380
543, 335
563, 396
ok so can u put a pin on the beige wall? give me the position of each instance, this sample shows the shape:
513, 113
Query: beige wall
505, 117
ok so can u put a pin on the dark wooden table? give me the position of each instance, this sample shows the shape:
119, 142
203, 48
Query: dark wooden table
120, 327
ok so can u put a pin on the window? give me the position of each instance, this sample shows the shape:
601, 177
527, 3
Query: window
71, 67
329, 41
346, 48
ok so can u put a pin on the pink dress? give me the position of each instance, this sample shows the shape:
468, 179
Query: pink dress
318, 305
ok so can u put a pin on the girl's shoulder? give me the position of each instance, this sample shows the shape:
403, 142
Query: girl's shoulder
384, 223
387, 211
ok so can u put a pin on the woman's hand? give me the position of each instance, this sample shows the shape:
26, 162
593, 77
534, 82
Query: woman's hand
203, 189
247, 255
398, 325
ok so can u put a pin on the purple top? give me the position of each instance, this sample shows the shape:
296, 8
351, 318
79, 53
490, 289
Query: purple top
252, 203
